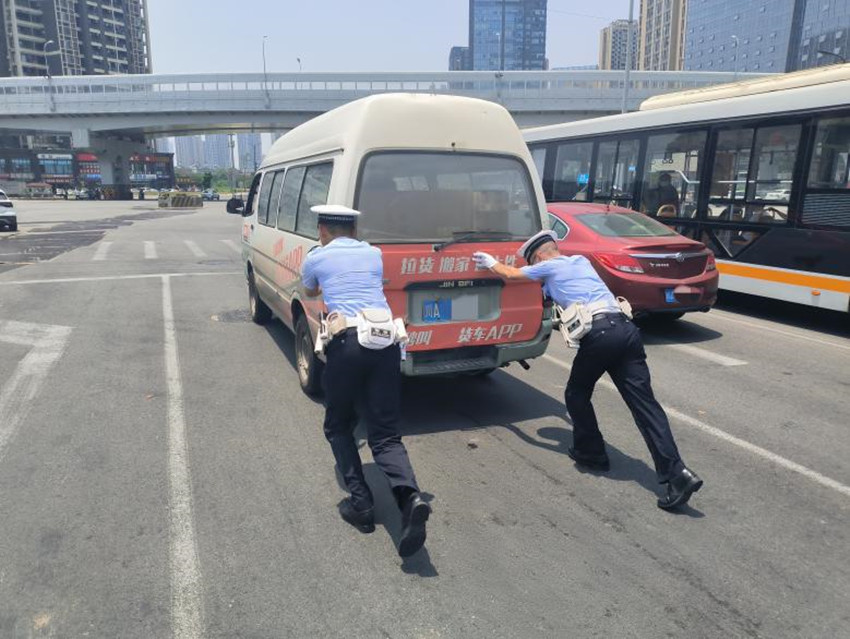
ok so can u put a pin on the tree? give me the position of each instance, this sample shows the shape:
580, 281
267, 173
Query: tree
207, 180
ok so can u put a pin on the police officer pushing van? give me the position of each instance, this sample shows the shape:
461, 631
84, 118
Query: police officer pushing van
361, 344
596, 322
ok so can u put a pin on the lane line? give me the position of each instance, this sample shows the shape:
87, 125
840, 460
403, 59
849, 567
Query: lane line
111, 278
186, 590
196, 250
102, 251
17, 395
815, 476
232, 245
716, 358
150, 250
764, 327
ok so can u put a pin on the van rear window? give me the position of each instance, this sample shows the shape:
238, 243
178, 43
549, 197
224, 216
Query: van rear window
425, 196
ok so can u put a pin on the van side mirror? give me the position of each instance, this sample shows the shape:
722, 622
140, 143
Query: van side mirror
235, 205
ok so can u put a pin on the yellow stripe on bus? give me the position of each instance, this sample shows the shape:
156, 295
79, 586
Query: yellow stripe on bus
784, 277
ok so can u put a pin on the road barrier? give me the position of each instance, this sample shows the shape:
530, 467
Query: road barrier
177, 200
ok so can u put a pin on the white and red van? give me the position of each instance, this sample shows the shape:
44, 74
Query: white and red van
435, 178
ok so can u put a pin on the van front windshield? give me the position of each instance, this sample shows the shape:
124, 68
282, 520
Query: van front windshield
433, 197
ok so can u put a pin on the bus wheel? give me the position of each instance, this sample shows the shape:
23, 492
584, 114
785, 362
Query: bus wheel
309, 366
260, 313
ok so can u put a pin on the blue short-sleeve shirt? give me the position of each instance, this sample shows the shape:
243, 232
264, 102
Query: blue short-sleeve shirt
350, 273
570, 279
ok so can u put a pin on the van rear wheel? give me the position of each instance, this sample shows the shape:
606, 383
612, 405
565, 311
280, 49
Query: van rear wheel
309, 366
260, 312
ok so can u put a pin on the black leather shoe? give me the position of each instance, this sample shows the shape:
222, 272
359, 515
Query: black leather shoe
413, 517
679, 489
596, 462
362, 520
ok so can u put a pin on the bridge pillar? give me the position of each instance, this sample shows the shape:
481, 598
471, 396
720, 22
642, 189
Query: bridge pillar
114, 158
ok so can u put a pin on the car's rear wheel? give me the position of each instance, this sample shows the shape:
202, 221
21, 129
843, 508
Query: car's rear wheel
260, 312
309, 366
13, 226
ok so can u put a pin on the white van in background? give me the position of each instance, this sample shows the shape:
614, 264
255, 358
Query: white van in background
436, 178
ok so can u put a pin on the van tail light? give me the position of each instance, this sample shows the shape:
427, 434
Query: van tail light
619, 262
710, 264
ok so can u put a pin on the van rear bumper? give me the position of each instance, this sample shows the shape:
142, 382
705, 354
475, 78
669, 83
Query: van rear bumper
470, 359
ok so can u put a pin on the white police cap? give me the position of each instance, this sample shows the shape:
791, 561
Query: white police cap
535, 242
335, 214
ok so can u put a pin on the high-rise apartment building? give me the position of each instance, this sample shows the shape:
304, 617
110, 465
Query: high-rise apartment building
507, 35
189, 151
730, 35
614, 43
217, 152
250, 148
825, 33
74, 37
662, 30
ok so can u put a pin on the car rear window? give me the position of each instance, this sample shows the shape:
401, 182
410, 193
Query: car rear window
624, 225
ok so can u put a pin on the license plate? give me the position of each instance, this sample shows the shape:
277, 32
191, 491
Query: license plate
669, 296
436, 310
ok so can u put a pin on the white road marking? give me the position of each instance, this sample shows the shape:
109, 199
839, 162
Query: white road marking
150, 250
815, 476
102, 250
196, 250
232, 245
764, 327
186, 600
17, 395
717, 358
110, 278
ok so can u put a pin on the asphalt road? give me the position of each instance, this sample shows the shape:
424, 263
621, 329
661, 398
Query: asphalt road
162, 475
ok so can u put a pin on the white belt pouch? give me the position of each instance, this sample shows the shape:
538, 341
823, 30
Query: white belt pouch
575, 322
375, 328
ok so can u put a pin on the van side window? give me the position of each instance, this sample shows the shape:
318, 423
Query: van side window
289, 198
263, 204
252, 195
317, 182
277, 184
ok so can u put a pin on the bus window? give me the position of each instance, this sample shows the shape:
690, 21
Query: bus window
831, 159
274, 209
263, 203
770, 186
616, 165
731, 164
539, 157
317, 182
572, 172
671, 175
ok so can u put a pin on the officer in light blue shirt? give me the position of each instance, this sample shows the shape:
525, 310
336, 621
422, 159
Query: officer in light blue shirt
349, 275
613, 345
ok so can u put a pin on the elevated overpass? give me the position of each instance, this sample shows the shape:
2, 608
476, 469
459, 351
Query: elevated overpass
116, 115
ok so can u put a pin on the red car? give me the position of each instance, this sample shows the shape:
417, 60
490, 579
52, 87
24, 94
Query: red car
658, 270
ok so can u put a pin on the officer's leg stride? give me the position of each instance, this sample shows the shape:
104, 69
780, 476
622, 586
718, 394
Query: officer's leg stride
342, 382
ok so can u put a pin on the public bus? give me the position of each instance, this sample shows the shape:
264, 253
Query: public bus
756, 170
435, 178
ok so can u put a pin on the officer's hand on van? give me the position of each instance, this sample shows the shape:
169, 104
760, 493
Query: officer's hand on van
484, 260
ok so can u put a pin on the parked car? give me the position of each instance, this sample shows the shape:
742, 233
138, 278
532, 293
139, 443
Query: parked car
660, 272
8, 216
210, 195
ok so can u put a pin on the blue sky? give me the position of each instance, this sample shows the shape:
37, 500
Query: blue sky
347, 35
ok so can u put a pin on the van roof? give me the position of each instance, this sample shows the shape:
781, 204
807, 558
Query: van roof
402, 120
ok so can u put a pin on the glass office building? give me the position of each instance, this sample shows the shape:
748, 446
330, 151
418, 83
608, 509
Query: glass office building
507, 35
825, 34
730, 35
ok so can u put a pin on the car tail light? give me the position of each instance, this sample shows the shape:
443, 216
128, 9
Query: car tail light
620, 262
710, 264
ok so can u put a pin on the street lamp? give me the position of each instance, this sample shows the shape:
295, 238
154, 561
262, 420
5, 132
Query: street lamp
735, 67
298, 84
841, 58
629, 36
49, 76
265, 76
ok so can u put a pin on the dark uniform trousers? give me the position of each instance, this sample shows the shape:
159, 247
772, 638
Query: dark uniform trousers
614, 346
357, 377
